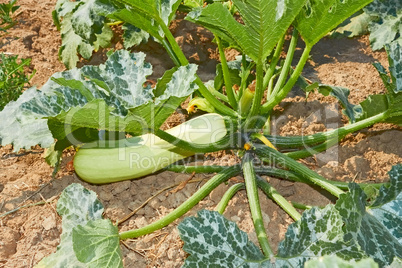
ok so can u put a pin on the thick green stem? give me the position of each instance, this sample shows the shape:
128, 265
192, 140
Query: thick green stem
275, 99
196, 169
299, 141
228, 195
254, 203
170, 51
272, 193
269, 171
286, 66
227, 142
226, 75
274, 62
301, 206
185, 206
313, 150
176, 50
291, 176
259, 93
176, 53
245, 73
219, 95
272, 156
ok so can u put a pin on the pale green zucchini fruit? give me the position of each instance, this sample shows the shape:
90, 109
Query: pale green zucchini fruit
142, 155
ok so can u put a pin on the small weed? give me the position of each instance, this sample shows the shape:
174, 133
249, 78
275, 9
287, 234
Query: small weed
12, 78
7, 18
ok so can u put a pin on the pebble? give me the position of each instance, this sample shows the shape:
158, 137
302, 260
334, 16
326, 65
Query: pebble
49, 223
235, 218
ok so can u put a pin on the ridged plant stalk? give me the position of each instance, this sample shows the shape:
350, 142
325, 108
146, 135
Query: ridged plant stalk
250, 180
211, 184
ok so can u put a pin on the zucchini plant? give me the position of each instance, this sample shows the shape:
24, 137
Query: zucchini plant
381, 18
95, 107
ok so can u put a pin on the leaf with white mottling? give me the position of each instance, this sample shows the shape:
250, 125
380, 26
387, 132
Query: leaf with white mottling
112, 97
356, 25
97, 244
386, 24
21, 128
377, 228
133, 36
76, 206
148, 15
83, 28
394, 51
213, 241
88, 18
318, 233
332, 261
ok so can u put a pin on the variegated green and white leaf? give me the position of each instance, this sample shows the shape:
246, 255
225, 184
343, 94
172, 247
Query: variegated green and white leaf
110, 97
83, 28
394, 51
88, 18
332, 261
72, 43
386, 24
97, 244
318, 233
148, 15
375, 228
76, 206
15, 122
133, 36
213, 241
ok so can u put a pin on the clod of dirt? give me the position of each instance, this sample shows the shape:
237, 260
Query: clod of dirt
8, 242
357, 164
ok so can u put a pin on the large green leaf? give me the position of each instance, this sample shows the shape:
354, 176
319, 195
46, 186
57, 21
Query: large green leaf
133, 36
355, 25
77, 206
71, 44
265, 22
318, 233
386, 24
377, 228
110, 97
342, 94
394, 51
83, 28
390, 102
319, 17
147, 15
88, 17
23, 129
331, 261
97, 244
214, 241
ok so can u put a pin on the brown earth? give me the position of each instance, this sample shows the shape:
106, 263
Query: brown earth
31, 233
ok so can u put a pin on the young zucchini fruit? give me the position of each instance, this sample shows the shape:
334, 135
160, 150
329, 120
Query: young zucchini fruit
142, 155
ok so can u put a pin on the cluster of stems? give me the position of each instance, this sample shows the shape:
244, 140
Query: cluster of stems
275, 86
